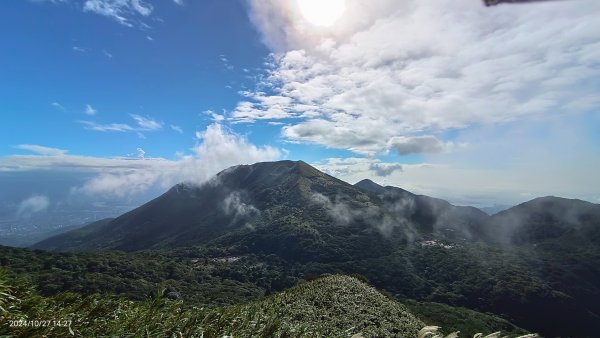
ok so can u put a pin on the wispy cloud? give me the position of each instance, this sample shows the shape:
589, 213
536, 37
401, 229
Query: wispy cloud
226, 62
179, 2
111, 127
42, 150
119, 10
177, 129
146, 123
107, 54
89, 110
78, 49
142, 124
58, 106
32, 205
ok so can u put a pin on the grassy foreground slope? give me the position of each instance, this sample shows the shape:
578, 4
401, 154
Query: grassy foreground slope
333, 306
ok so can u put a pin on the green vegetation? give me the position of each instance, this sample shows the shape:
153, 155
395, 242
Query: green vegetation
334, 306
513, 284
535, 265
137, 276
465, 321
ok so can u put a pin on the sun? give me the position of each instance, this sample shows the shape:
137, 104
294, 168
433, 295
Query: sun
322, 12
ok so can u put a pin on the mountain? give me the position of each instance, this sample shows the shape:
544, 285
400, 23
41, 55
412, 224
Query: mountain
430, 215
293, 210
288, 208
548, 219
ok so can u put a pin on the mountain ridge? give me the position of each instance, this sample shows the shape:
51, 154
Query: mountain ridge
241, 199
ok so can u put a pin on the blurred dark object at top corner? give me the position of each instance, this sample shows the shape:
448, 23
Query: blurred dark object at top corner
496, 2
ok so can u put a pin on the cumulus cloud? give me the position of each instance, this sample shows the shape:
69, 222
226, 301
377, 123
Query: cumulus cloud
450, 65
500, 163
417, 145
140, 153
32, 205
218, 148
384, 169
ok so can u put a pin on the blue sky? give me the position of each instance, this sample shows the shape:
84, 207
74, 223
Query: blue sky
59, 54
453, 99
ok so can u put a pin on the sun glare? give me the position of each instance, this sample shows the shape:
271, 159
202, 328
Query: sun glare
322, 12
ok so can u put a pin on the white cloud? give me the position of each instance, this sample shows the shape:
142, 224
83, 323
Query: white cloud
89, 110
107, 54
78, 49
58, 106
417, 145
396, 71
142, 124
177, 129
214, 116
226, 62
115, 127
384, 169
140, 153
42, 150
218, 148
32, 205
499, 164
146, 123
179, 2
119, 10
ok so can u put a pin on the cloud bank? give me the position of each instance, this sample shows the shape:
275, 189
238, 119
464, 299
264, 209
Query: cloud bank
396, 76
218, 148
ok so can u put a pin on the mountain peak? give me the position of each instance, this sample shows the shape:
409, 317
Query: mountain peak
370, 186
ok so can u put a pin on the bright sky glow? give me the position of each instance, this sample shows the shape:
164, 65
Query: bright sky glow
322, 12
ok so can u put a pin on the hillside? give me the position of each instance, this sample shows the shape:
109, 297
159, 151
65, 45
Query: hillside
334, 306
198, 282
432, 216
287, 208
280, 222
548, 219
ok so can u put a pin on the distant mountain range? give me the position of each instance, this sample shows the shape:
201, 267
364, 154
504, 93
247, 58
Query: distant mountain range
313, 213
536, 264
